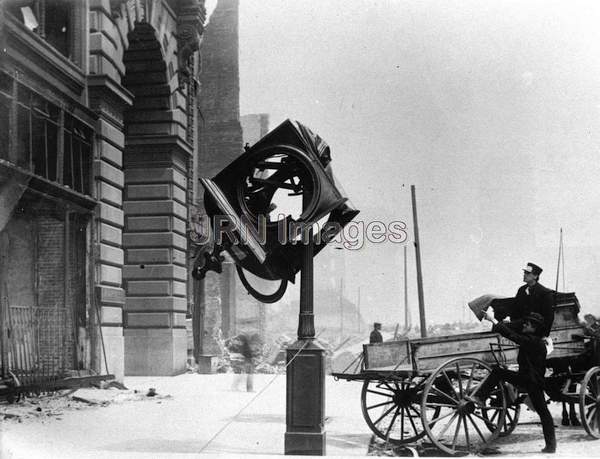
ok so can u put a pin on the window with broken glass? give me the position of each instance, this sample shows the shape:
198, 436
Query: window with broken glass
43, 138
50, 19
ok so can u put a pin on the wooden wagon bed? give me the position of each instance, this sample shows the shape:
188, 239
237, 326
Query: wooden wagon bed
413, 356
423, 386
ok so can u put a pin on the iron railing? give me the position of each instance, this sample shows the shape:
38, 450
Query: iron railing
37, 346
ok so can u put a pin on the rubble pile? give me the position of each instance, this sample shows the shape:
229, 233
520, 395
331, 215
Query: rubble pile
53, 406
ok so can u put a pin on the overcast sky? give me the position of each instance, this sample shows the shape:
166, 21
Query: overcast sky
492, 109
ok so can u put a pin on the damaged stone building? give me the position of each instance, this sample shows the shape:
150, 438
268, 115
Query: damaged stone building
98, 182
110, 111
223, 306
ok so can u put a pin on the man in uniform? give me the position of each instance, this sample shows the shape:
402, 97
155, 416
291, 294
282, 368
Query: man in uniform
531, 297
375, 336
532, 367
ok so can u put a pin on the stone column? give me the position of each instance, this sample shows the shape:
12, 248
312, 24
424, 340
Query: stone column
155, 263
109, 100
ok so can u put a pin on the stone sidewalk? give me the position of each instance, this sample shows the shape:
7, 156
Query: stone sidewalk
191, 415
196, 415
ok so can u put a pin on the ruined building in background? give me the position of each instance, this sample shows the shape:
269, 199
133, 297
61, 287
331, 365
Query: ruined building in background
222, 306
254, 127
220, 143
98, 177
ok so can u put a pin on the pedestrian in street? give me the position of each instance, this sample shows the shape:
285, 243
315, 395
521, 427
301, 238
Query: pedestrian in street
248, 348
532, 367
375, 336
531, 297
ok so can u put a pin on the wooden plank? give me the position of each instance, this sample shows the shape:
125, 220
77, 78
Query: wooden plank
386, 354
562, 339
564, 344
562, 297
429, 354
392, 369
430, 363
563, 335
565, 315
446, 345
456, 337
560, 336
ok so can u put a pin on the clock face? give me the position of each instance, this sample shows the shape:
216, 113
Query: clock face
278, 182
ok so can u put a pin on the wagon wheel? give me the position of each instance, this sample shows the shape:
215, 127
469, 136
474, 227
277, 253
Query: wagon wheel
392, 409
511, 418
461, 426
589, 402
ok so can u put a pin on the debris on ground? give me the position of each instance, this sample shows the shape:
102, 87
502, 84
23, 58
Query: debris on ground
53, 405
112, 384
82, 400
378, 447
12, 416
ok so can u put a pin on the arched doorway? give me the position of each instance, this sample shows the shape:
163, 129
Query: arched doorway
142, 62
155, 165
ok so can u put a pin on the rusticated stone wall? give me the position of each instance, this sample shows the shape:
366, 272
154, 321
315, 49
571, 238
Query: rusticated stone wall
142, 61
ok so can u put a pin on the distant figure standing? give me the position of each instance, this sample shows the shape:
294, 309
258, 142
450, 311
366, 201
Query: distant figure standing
375, 336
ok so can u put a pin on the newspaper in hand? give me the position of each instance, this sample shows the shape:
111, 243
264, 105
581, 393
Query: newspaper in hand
481, 304
549, 345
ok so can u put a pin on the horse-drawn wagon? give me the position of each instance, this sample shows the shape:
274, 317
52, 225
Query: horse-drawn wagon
421, 387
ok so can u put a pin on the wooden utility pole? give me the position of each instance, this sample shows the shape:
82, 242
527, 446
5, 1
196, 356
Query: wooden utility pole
341, 307
419, 272
560, 257
358, 310
406, 320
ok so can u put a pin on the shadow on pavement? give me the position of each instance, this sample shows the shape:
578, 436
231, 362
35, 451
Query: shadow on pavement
154, 445
259, 418
347, 441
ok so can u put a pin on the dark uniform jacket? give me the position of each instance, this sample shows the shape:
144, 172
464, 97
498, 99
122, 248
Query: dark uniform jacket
375, 337
540, 300
532, 354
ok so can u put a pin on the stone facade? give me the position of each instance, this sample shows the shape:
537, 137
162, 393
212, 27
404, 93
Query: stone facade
127, 71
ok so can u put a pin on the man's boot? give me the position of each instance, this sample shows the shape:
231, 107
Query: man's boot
573, 415
565, 415
550, 438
